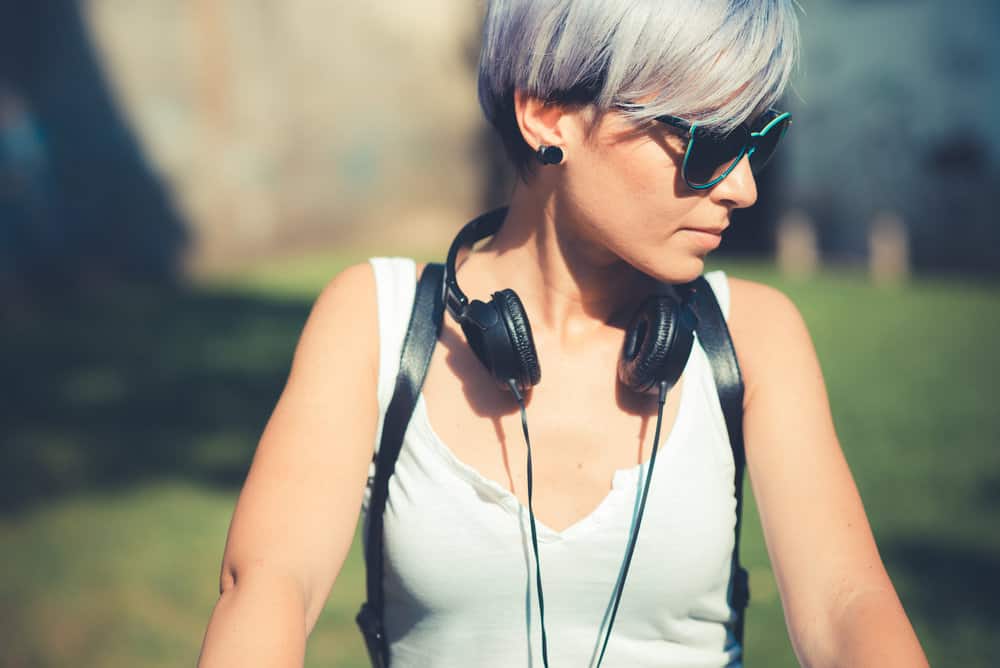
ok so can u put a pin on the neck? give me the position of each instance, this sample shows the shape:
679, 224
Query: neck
567, 281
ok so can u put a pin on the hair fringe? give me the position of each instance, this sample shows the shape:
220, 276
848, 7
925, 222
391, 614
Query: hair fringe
719, 63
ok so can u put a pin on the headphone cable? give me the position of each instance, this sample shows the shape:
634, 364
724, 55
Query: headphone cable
534, 530
633, 538
620, 585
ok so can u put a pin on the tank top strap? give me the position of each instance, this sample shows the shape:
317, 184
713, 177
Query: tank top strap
395, 288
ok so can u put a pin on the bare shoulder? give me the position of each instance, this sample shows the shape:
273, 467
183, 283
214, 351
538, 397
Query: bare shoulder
343, 317
350, 280
768, 331
758, 307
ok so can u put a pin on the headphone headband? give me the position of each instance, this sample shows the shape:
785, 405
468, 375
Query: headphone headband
476, 230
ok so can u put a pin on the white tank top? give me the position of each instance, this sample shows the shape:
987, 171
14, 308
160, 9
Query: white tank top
459, 569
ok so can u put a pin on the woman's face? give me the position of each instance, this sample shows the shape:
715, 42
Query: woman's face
623, 187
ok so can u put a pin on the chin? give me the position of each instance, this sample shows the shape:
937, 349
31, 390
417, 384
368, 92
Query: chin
696, 267
674, 269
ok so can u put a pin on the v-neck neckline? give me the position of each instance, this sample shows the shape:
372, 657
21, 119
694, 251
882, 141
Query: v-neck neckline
622, 480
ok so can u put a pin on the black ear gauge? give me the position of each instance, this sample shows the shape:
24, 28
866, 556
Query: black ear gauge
549, 155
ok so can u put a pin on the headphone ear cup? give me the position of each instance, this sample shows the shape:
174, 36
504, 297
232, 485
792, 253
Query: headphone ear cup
527, 372
657, 345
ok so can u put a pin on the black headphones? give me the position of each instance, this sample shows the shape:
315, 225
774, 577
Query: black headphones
657, 343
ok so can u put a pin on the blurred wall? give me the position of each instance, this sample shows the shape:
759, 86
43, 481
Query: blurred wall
284, 124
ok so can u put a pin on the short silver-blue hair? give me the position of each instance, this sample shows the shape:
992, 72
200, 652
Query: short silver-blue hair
715, 62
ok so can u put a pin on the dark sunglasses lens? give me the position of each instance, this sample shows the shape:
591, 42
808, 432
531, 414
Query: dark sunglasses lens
711, 155
766, 146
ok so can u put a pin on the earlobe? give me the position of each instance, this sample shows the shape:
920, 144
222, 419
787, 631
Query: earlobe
538, 121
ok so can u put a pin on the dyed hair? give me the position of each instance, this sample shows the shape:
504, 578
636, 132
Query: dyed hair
715, 62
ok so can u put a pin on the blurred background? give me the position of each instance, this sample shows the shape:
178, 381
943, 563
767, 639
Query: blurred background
179, 179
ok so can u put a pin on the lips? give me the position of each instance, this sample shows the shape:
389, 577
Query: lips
708, 230
706, 238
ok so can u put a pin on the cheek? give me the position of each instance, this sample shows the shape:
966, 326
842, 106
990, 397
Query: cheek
626, 195
629, 187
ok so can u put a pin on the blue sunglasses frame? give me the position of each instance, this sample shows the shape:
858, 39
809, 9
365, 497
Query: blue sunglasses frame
772, 118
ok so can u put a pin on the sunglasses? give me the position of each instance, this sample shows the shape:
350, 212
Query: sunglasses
711, 156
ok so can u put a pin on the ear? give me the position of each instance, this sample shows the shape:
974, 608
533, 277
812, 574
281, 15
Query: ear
540, 123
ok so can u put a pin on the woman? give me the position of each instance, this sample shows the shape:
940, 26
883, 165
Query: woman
630, 123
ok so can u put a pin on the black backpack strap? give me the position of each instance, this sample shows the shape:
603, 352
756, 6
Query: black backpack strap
713, 334
418, 345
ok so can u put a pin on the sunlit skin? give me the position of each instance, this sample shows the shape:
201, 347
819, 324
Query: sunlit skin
618, 200
581, 245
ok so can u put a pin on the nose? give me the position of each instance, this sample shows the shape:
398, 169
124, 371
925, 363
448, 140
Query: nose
739, 189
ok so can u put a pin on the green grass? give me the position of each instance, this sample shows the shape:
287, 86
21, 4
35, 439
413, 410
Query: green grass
132, 418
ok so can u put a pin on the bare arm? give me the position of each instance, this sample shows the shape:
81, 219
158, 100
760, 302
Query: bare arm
298, 509
840, 606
